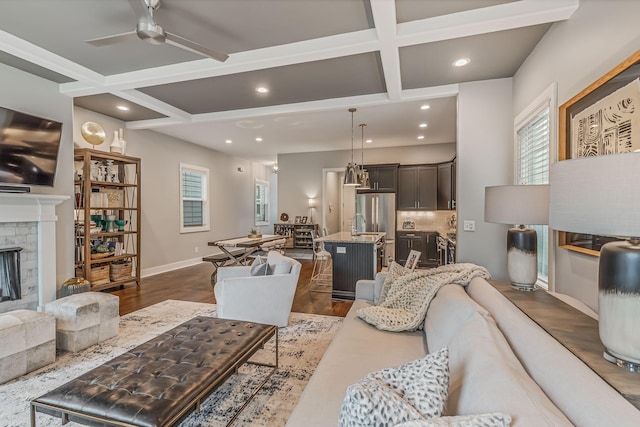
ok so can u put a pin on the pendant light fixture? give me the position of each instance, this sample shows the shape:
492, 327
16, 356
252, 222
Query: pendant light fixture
364, 175
352, 172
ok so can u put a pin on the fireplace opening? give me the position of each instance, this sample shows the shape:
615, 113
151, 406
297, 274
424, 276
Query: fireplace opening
10, 288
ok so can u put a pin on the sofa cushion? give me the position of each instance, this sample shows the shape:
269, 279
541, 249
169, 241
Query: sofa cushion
411, 391
485, 376
495, 419
357, 350
448, 311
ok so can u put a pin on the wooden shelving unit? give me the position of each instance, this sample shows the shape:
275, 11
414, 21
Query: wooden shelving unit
107, 185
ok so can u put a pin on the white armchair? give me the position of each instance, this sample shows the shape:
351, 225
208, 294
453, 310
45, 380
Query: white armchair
261, 299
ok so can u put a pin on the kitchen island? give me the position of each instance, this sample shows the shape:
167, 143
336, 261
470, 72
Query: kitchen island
353, 257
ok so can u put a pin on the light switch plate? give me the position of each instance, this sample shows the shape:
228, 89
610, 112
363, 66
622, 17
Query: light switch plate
469, 226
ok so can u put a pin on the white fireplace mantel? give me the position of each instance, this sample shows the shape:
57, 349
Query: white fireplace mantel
40, 208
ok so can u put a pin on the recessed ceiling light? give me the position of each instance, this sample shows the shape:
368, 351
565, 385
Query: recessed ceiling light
420, 136
461, 62
423, 125
258, 139
262, 89
122, 107
425, 107
369, 141
228, 141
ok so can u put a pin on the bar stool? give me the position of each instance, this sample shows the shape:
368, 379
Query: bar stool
321, 279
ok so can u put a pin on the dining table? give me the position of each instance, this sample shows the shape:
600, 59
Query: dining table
250, 245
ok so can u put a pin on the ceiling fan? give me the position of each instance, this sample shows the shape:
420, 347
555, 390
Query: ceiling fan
149, 31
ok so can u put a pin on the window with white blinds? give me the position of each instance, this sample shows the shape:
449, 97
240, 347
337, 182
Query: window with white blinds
532, 167
194, 206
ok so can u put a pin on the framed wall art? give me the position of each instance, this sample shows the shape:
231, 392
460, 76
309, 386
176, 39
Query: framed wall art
602, 119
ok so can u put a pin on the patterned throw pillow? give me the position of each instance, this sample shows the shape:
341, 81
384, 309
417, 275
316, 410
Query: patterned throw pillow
495, 419
395, 271
413, 391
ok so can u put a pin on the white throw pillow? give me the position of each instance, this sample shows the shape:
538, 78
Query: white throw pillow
495, 419
413, 391
282, 266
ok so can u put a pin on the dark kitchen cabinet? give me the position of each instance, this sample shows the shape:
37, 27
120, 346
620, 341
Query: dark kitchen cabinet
383, 178
424, 242
408, 241
431, 258
447, 186
418, 187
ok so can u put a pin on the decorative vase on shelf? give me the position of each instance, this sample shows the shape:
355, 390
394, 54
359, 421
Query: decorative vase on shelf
118, 145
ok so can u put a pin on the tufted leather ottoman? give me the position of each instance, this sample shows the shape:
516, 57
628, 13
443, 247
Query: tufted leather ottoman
161, 381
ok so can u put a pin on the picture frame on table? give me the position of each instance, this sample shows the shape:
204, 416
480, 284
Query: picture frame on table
303, 220
298, 220
412, 260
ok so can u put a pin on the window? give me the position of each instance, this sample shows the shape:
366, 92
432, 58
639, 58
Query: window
534, 130
262, 202
194, 210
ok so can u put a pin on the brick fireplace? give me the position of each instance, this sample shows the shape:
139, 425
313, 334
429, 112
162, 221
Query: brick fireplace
28, 221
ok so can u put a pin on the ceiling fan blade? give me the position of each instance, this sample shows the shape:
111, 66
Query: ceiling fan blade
117, 38
194, 47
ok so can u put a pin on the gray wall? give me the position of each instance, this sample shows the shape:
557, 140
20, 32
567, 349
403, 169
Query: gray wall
575, 53
300, 174
33, 95
231, 193
485, 158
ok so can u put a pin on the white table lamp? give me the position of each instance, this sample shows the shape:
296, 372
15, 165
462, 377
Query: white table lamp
601, 195
519, 204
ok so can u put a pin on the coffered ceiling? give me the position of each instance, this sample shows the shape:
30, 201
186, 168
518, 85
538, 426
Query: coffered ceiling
317, 58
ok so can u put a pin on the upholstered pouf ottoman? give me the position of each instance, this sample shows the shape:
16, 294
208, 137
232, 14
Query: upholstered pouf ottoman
84, 319
28, 342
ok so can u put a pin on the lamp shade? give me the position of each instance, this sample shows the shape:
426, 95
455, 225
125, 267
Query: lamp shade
597, 195
517, 204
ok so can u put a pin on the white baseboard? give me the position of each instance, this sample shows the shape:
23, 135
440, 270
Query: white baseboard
170, 267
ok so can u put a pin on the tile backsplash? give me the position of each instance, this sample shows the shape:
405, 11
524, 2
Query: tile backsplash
426, 220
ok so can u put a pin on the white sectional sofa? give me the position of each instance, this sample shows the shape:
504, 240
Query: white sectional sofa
499, 361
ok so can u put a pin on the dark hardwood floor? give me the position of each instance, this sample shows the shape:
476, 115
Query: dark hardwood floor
194, 284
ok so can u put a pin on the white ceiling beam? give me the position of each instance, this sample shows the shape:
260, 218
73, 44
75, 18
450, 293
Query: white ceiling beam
277, 56
486, 20
384, 18
306, 107
430, 92
296, 108
152, 103
29, 52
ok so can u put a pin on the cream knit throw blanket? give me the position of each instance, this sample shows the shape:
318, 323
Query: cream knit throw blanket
408, 297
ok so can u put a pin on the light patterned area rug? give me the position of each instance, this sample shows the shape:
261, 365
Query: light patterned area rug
301, 345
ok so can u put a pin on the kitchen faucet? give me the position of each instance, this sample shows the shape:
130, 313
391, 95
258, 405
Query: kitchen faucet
354, 223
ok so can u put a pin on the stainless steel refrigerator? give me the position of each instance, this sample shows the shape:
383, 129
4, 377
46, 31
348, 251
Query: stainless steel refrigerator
376, 212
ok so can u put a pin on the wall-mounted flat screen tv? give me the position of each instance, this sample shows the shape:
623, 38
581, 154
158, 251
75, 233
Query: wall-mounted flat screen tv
29, 148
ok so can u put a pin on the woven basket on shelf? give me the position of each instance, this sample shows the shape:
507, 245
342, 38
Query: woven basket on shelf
120, 271
99, 274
